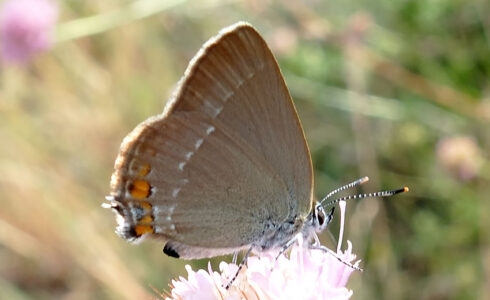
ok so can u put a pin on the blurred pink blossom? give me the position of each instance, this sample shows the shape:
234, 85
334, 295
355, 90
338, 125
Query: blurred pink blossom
26, 28
460, 155
305, 274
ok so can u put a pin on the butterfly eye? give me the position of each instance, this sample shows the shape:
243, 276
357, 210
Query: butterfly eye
320, 215
322, 218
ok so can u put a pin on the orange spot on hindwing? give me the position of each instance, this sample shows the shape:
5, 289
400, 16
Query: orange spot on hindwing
146, 205
139, 189
143, 215
144, 170
139, 230
148, 219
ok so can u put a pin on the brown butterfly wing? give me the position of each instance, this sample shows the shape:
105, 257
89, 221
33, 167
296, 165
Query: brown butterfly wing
226, 159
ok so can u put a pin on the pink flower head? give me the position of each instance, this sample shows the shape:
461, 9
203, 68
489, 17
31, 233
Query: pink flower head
460, 156
26, 28
306, 274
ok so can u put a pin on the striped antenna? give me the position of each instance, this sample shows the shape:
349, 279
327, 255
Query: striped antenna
369, 195
342, 188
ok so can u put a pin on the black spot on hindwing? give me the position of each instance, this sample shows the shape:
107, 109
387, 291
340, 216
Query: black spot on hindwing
170, 251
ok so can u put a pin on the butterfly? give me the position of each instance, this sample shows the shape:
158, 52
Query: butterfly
226, 166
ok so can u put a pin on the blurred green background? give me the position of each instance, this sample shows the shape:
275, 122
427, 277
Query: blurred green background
394, 90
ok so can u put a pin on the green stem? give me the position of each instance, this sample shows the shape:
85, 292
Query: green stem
99, 23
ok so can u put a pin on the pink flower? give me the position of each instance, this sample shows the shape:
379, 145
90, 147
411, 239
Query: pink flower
26, 28
461, 156
305, 274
